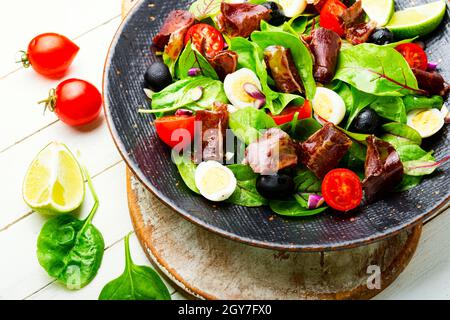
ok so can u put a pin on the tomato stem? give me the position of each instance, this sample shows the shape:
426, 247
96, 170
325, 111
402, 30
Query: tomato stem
24, 59
50, 102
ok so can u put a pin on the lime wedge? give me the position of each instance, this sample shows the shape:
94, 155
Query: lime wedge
54, 182
380, 11
417, 21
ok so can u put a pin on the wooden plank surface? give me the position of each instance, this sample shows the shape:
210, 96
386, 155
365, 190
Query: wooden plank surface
24, 130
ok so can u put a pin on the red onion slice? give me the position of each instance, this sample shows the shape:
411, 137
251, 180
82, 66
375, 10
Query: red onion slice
196, 93
254, 92
432, 66
193, 72
184, 112
315, 201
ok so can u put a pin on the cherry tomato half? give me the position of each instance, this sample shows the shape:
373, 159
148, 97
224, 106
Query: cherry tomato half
50, 54
329, 16
166, 126
342, 189
76, 102
205, 38
414, 55
288, 114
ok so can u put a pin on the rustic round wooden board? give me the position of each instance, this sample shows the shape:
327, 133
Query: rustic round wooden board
209, 266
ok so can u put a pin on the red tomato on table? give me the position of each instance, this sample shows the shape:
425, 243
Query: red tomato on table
50, 54
166, 126
414, 55
288, 114
205, 38
342, 189
329, 16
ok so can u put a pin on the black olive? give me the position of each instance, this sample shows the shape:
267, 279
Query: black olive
382, 36
367, 121
277, 186
157, 76
277, 16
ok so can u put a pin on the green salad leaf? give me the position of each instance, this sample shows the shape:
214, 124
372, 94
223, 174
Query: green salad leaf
376, 70
136, 282
402, 131
245, 194
419, 102
177, 95
186, 168
292, 208
360, 101
246, 123
192, 58
391, 108
300, 53
71, 250
306, 181
202, 9
302, 129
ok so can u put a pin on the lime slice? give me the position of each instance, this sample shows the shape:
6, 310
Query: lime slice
417, 21
54, 182
380, 11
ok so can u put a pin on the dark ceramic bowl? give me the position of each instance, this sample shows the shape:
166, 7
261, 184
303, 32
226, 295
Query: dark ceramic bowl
149, 158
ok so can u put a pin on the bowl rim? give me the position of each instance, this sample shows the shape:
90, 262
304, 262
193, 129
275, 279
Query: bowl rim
137, 172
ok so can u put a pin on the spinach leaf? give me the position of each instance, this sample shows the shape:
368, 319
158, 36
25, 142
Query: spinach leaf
300, 53
376, 70
245, 194
301, 129
408, 182
251, 56
191, 58
402, 131
292, 208
298, 24
360, 101
410, 153
186, 168
306, 181
246, 123
391, 108
345, 92
136, 282
202, 9
415, 102
177, 95
71, 250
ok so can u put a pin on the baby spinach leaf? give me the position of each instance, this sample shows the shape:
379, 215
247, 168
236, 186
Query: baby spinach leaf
246, 123
186, 168
360, 101
408, 182
191, 58
345, 92
306, 181
71, 250
177, 95
376, 70
136, 282
245, 194
300, 53
391, 108
403, 131
416, 102
292, 208
301, 129
202, 9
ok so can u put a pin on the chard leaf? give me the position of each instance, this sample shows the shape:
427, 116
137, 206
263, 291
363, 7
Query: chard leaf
202, 9
402, 131
191, 58
422, 167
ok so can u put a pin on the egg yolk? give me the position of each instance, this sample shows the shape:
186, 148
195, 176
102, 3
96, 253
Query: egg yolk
423, 119
215, 180
239, 91
324, 107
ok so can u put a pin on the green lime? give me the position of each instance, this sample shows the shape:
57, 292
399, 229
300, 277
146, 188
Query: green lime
380, 11
54, 182
417, 21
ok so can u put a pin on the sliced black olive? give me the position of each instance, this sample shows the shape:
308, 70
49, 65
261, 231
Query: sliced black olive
277, 186
277, 16
367, 121
382, 36
157, 76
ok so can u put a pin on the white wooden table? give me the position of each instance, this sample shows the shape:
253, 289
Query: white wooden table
24, 130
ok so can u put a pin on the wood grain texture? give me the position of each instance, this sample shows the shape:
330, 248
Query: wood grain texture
149, 159
211, 267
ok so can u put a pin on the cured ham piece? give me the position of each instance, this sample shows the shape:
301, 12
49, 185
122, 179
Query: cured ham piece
282, 68
272, 152
225, 62
383, 168
241, 19
323, 150
356, 30
213, 129
431, 82
325, 45
175, 26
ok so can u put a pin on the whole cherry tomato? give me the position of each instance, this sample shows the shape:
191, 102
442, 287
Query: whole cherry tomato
288, 114
414, 55
205, 38
50, 54
166, 126
342, 189
329, 16
76, 102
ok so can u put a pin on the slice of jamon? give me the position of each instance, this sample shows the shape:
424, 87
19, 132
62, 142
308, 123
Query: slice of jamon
241, 19
325, 45
272, 152
282, 68
431, 82
178, 21
213, 131
323, 150
383, 168
357, 31
224, 62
